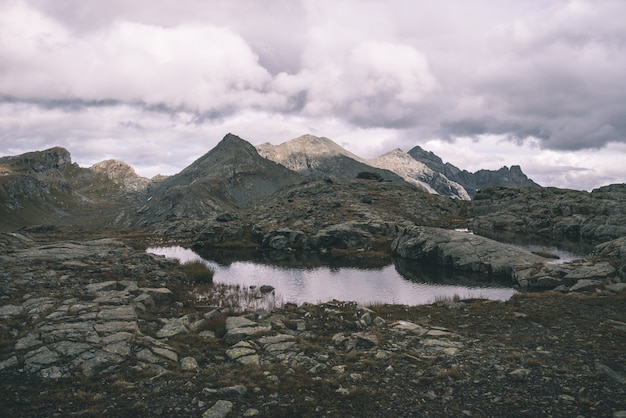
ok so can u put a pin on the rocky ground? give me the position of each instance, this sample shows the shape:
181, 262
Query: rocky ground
97, 327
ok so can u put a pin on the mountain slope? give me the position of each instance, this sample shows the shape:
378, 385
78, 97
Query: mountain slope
473, 181
45, 187
320, 157
230, 176
418, 173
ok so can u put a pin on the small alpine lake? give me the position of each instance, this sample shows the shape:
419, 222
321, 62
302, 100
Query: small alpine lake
366, 280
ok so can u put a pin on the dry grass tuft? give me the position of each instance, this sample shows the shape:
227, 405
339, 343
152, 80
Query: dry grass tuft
198, 272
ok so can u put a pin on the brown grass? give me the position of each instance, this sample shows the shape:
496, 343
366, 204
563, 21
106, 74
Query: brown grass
198, 272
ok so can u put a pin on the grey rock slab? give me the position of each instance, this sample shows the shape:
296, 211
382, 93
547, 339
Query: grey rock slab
279, 347
53, 372
38, 359
94, 365
10, 310
29, 341
591, 270
122, 313
233, 322
466, 252
72, 331
147, 356
118, 336
221, 409
120, 348
166, 353
114, 327
616, 287
173, 327
252, 360
366, 340
159, 295
38, 305
70, 348
114, 297
188, 364
8, 363
584, 284
235, 335
275, 339
102, 287
237, 352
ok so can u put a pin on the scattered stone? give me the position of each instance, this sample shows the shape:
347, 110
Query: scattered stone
241, 349
220, 410
10, 310
235, 335
188, 364
233, 322
166, 353
30, 341
172, 327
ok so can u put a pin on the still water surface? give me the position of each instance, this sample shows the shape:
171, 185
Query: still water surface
318, 281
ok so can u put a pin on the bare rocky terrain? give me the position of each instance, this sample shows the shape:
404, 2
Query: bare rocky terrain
92, 325
98, 328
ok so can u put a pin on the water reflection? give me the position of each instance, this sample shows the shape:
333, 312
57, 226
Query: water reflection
316, 278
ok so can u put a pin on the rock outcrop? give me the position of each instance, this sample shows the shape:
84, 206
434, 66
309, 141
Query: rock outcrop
465, 252
122, 174
556, 214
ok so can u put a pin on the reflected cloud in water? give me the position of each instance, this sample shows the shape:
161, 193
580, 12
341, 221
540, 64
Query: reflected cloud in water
315, 278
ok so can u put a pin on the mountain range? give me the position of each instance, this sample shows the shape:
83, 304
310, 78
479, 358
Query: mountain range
45, 186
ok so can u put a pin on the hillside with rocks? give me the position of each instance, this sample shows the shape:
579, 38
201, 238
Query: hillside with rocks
45, 187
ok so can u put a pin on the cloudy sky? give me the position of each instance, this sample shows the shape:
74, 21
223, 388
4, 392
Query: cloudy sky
482, 83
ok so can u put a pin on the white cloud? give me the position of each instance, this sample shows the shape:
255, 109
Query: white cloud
168, 78
202, 68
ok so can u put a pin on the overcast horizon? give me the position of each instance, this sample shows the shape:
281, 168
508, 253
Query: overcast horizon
482, 84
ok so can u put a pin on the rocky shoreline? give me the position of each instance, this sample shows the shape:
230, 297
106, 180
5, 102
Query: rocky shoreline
96, 327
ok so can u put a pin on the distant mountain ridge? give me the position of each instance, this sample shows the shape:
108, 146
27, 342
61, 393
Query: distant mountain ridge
472, 182
318, 156
46, 186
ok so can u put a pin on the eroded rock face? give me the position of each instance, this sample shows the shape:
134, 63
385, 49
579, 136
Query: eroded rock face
122, 174
463, 251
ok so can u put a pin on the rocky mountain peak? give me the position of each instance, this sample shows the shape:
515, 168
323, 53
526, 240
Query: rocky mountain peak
417, 173
301, 149
121, 174
320, 157
56, 158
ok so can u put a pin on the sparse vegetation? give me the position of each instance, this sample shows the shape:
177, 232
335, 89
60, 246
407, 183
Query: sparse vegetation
198, 272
